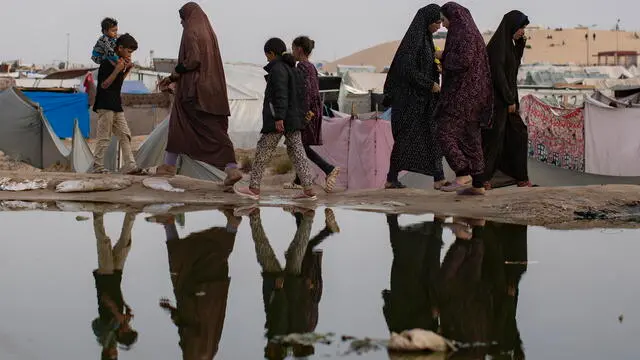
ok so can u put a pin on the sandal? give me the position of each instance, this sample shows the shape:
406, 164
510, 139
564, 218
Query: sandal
455, 186
395, 185
330, 221
247, 193
304, 196
439, 185
526, 184
331, 180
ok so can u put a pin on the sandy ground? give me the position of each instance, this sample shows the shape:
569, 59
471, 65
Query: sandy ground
550, 207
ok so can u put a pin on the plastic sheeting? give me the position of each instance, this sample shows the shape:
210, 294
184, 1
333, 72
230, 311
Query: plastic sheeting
612, 145
62, 109
134, 87
361, 148
151, 153
26, 135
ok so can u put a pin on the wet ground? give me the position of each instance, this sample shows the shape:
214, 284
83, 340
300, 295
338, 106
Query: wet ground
534, 293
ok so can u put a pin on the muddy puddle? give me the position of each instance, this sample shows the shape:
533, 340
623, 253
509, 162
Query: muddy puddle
209, 283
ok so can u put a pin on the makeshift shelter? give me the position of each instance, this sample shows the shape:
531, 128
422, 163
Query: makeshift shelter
245, 90
62, 110
26, 135
6, 82
134, 87
356, 91
361, 148
612, 145
151, 153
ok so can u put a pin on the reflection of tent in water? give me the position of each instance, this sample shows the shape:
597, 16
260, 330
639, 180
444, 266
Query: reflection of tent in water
151, 153
26, 135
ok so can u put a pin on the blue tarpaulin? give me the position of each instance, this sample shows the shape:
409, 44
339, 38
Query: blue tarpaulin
134, 87
62, 109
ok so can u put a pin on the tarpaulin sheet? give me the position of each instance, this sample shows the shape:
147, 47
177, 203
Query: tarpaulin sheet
556, 135
61, 110
361, 148
612, 145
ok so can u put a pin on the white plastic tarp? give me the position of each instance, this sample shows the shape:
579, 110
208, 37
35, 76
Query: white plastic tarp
612, 145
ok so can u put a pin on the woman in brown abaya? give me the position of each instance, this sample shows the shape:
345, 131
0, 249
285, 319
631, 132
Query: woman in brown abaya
199, 118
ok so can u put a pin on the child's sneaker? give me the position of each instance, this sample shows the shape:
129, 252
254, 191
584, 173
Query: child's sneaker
306, 197
247, 193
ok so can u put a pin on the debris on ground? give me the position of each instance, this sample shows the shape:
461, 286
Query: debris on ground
419, 340
162, 184
10, 184
591, 214
90, 185
81, 218
308, 339
363, 346
22, 205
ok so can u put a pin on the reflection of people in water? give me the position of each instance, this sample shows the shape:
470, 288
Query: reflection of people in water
465, 287
512, 242
291, 294
112, 325
200, 275
411, 301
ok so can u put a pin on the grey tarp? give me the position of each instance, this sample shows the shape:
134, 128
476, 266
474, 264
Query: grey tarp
26, 135
151, 153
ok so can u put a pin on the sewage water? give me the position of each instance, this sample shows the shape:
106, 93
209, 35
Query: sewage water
537, 293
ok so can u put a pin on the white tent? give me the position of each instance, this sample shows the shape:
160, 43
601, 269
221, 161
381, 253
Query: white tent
245, 89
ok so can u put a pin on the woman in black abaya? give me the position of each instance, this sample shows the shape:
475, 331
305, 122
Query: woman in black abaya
411, 89
505, 144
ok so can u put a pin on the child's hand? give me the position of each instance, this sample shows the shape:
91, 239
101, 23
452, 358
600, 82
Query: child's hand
309, 116
280, 126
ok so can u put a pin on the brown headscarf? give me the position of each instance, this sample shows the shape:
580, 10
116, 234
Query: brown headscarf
199, 53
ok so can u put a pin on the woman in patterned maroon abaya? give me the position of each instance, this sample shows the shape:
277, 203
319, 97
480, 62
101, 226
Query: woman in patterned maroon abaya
466, 99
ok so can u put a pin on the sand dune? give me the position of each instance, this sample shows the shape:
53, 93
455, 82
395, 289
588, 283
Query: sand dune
567, 46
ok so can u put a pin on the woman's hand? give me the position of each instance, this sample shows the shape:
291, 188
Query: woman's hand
512, 108
164, 83
435, 88
280, 126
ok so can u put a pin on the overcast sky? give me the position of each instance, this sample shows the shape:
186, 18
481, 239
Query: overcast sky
35, 30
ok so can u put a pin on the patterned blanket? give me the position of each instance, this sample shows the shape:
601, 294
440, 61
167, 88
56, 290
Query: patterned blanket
556, 135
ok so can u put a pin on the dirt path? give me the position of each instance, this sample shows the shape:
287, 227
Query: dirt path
551, 207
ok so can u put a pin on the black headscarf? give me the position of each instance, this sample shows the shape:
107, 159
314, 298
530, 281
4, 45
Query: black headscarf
417, 42
505, 55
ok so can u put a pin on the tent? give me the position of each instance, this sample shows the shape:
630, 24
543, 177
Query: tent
26, 135
356, 89
62, 109
245, 89
151, 153
134, 87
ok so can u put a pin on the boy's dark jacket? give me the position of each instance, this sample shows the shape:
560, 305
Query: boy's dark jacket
283, 97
